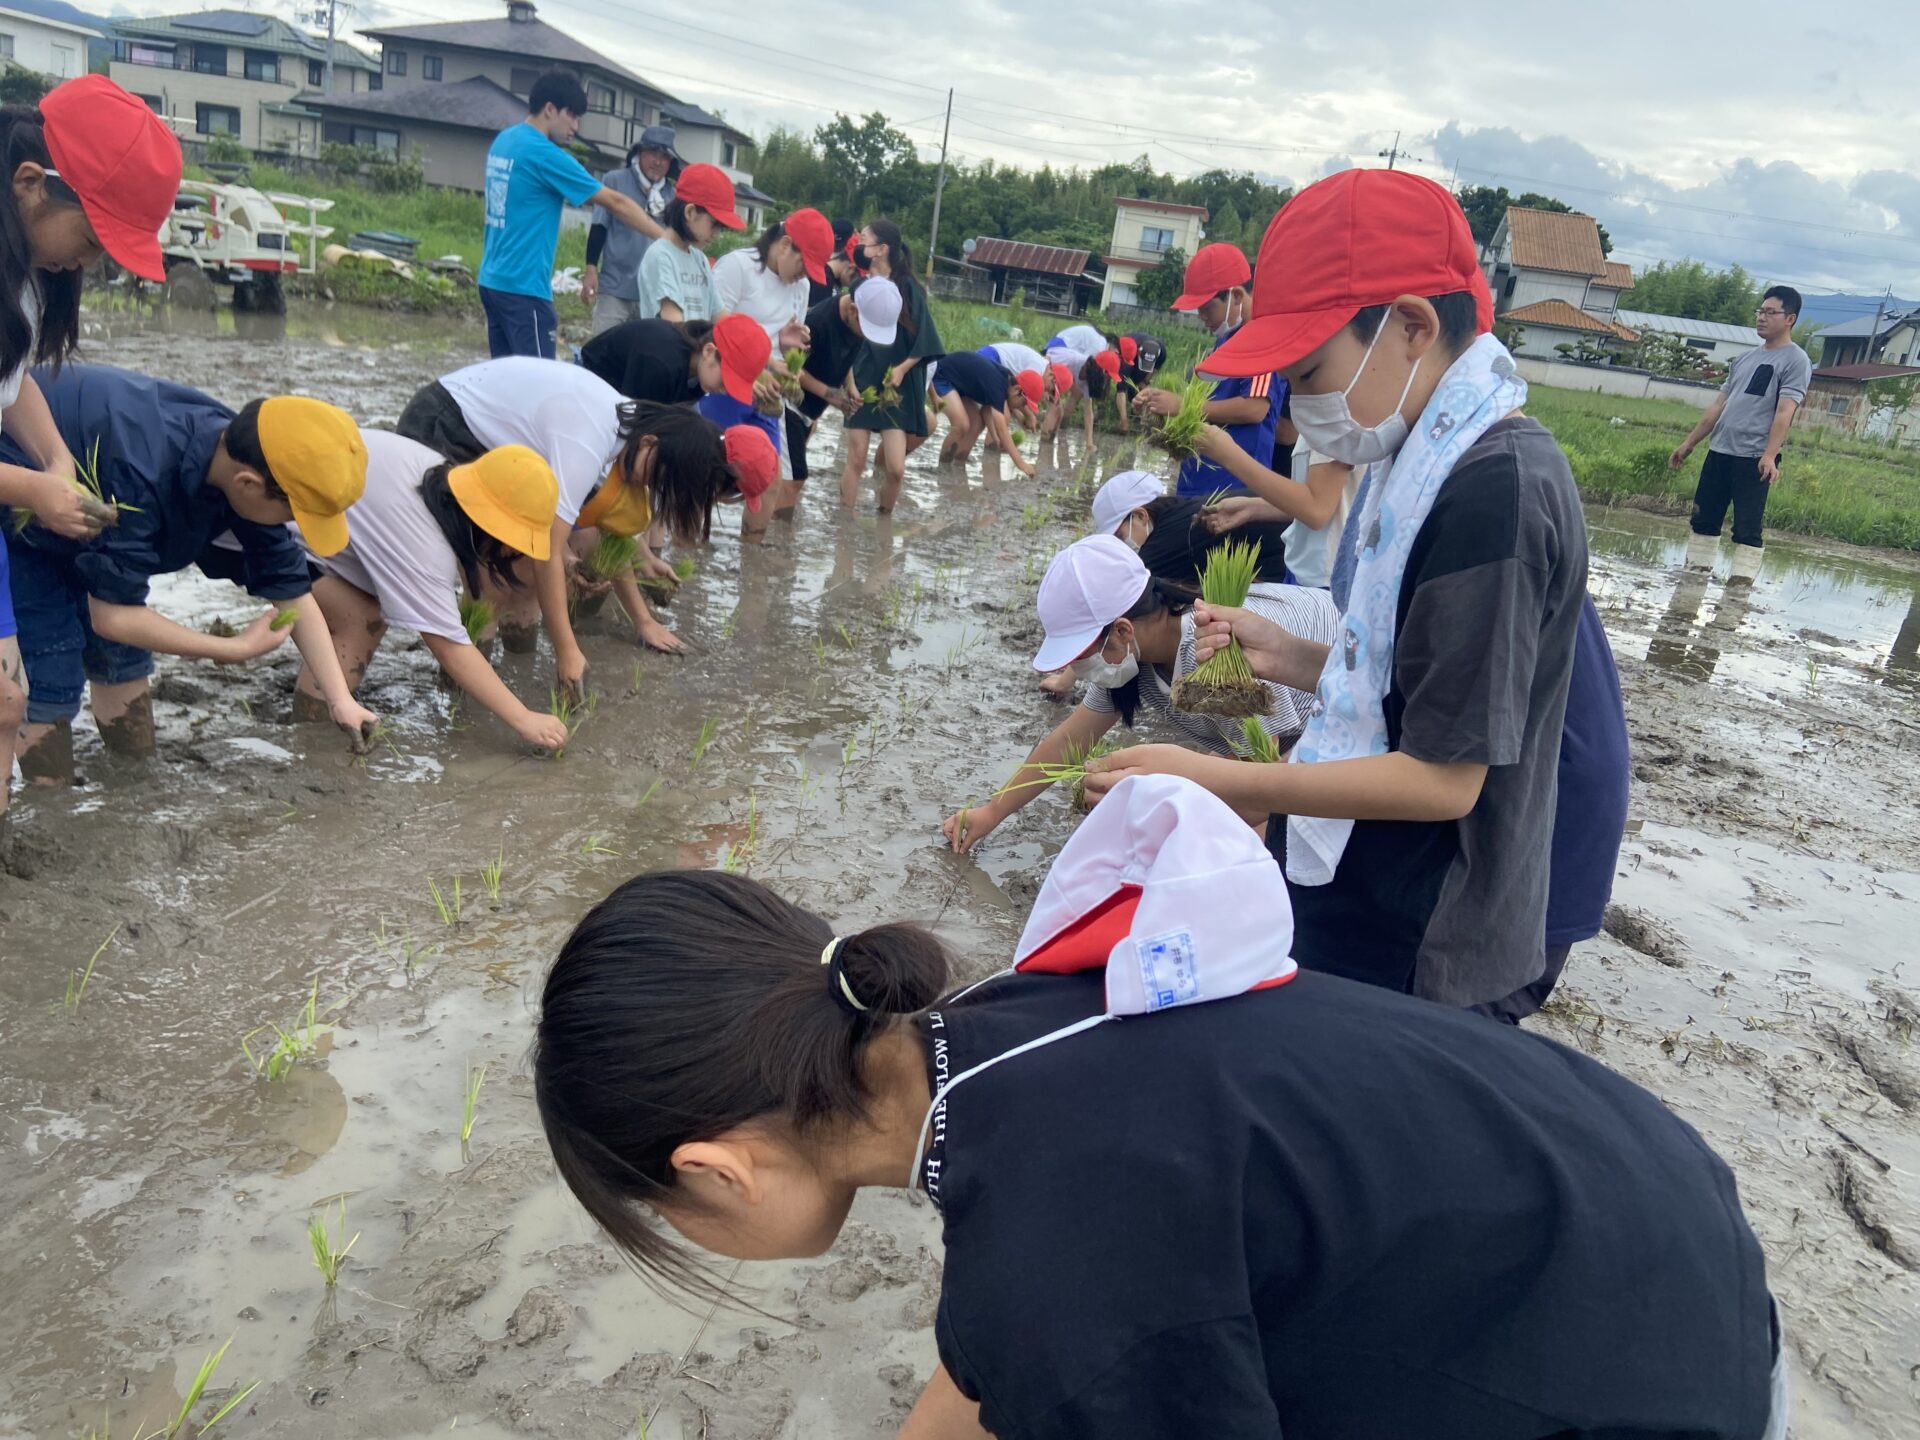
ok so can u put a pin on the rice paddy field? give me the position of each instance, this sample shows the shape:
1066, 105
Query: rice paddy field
264, 1004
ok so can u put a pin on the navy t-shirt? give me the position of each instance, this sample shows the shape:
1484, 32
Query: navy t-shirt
1325, 1211
1590, 814
154, 442
976, 378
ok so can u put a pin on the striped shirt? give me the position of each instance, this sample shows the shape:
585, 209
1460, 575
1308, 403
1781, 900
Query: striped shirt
1309, 614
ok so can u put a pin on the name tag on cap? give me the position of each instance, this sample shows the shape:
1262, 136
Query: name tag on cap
1168, 972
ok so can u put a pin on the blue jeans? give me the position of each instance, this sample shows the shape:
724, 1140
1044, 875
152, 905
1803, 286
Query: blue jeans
518, 324
7, 627
57, 643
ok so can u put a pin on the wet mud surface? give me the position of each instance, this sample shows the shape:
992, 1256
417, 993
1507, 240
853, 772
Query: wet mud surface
862, 677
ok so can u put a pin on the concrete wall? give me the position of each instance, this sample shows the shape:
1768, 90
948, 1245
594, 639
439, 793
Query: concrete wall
456, 159
1611, 380
46, 49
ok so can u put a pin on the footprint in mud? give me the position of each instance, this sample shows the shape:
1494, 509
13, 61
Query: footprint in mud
1638, 930
1855, 1192
1888, 1072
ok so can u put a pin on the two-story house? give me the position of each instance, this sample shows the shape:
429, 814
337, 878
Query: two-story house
44, 45
235, 73
1550, 276
1891, 339
1143, 231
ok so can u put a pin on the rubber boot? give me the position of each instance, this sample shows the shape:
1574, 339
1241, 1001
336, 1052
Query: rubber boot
1702, 551
1746, 565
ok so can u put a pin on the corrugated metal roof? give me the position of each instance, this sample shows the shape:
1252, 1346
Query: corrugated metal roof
1016, 255
533, 38
1555, 240
1681, 325
1559, 315
1864, 372
1166, 206
1859, 329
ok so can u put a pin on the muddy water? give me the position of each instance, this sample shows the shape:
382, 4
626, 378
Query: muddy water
862, 677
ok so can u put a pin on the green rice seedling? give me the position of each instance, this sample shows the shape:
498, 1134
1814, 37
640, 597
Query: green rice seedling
819, 648
86, 479
1224, 685
1259, 744
1179, 433
1019, 438
326, 1258
592, 846
78, 980
291, 1043
738, 857
648, 794
884, 397
708, 728
1216, 497
492, 873
846, 751
477, 615
446, 902
177, 1426
684, 567
570, 712
612, 557
283, 619
1813, 675
790, 382
847, 638
475, 1079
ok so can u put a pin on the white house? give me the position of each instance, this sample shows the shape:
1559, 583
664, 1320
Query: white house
1894, 341
49, 47
1540, 255
1143, 231
1716, 341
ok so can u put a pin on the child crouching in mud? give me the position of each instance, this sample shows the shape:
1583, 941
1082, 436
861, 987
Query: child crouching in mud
1267, 1203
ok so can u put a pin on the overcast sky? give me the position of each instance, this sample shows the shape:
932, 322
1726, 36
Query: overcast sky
1784, 136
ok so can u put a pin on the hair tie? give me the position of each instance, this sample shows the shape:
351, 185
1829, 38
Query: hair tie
837, 985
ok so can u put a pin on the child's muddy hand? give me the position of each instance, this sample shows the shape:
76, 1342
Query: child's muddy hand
656, 636
358, 721
654, 568
570, 670
259, 638
542, 731
967, 828
64, 508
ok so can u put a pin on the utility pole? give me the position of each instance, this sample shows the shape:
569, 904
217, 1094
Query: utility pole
1874, 333
1392, 154
328, 17
933, 240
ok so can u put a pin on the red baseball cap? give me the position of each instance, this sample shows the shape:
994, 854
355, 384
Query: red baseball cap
744, 350
1129, 349
1031, 386
1061, 376
1359, 238
1213, 268
123, 163
1109, 362
756, 464
853, 244
812, 233
708, 187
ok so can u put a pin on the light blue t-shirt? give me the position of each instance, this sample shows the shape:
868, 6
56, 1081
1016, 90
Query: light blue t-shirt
683, 276
528, 179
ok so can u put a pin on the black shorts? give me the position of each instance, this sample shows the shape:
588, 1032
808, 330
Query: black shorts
433, 419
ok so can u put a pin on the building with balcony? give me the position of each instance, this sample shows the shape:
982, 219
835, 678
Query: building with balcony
235, 73
44, 45
1143, 232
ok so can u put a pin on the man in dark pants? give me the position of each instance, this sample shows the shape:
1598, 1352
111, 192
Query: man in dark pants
1749, 420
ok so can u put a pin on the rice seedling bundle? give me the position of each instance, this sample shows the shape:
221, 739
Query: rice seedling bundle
1179, 433
477, 616
1259, 744
790, 382
283, 619
1070, 770
1224, 685
612, 557
885, 397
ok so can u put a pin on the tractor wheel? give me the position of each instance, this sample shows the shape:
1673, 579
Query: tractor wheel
269, 295
188, 287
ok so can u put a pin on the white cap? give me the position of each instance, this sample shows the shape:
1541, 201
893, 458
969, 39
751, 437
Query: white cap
1088, 586
1138, 889
878, 301
1122, 495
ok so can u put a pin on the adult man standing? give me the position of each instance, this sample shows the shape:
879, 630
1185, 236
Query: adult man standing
1749, 420
610, 285
530, 176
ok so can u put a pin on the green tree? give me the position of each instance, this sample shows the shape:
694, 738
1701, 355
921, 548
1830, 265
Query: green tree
1227, 226
1159, 287
1692, 289
21, 86
863, 154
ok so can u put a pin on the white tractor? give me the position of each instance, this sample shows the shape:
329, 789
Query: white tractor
232, 234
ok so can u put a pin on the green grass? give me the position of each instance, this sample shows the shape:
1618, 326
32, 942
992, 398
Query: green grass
1830, 485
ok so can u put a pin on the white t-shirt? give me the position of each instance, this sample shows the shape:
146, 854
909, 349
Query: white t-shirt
1017, 357
1310, 553
743, 284
29, 307
395, 551
1084, 338
565, 414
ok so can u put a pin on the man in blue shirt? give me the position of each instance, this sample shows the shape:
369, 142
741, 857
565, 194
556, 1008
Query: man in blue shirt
191, 483
1248, 408
530, 175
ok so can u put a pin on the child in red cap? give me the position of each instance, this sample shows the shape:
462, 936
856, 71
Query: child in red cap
1421, 803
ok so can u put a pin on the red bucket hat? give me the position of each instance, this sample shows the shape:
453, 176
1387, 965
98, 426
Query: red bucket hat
1213, 268
1359, 238
123, 163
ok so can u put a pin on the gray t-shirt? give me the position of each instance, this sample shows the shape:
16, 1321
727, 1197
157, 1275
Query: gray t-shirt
1456, 910
1755, 385
626, 247
683, 276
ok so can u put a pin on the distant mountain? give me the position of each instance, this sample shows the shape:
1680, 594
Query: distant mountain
1820, 310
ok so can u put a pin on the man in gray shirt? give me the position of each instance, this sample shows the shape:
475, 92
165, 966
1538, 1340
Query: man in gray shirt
1749, 420
609, 284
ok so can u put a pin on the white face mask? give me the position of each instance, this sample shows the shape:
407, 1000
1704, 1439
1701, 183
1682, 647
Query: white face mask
1227, 319
1096, 669
1326, 424
1133, 541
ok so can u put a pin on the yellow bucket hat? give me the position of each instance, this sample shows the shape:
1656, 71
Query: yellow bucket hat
617, 507
510, 493
318, 458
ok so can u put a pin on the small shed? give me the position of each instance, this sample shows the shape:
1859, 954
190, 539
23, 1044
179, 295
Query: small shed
1056, 279
1869, 400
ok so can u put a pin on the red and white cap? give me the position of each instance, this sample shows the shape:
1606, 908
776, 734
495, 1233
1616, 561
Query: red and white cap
1122, 495
1088, 586
1168, 890
1213, 268
1129, 349
1359, 238
756, 464
1061, 376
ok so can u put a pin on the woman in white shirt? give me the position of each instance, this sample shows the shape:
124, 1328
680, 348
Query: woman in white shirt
423, 530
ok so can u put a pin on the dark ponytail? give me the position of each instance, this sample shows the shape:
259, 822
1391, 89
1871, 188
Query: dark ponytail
472, 546
763, 247
1157, 596
690, 1003
23, 139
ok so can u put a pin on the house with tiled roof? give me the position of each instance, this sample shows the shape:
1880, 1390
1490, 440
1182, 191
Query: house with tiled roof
1144, 231
1550, 275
